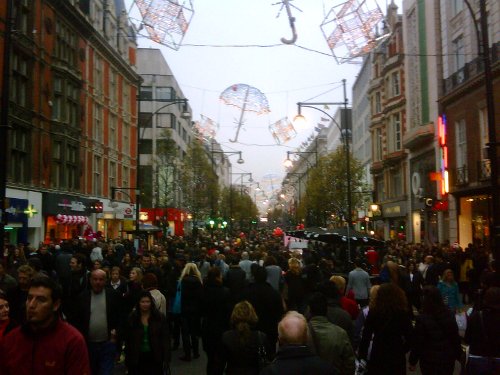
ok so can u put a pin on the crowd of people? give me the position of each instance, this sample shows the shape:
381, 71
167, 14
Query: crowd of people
252, 305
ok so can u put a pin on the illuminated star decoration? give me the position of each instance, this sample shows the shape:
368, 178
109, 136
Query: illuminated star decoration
353, 29
206, 128
282, 131
166, 21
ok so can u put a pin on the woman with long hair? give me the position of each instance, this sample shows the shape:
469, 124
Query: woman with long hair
436, 343
146, 338
241, 343
190, 318
134, 288
449, 291
388, 328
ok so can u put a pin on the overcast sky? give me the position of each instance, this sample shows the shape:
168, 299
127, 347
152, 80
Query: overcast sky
286, 74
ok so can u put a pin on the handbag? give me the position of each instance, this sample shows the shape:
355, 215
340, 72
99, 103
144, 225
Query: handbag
262, 359
176, 306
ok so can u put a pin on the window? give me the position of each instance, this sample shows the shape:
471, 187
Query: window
66, 45
23, 17
461, 144
483, 129
395, 90
98, 126
380, 189
395, 133
377, 148
97, 190
19, 158
112, 132
184, 135
126, 139
98, 82
112, 173
456, 6
126, 100
146, 93
146, 146
72, 96
164, 120
378, 103
58, 99
164, 93
125, 176
458, 53
112, 88
97, 15
396, 183
56, 167
21, 77
65, 106
71, 174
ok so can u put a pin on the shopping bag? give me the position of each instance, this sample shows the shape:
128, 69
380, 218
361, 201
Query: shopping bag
461, 319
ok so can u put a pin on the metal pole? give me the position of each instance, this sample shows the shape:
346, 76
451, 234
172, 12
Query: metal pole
4, 119
347, 159
138, 174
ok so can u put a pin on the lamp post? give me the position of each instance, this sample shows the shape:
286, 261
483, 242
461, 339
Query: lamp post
344, 133
296, 204
288, 162
137, 207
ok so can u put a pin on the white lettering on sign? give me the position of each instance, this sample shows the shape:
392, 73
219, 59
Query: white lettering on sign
72, 205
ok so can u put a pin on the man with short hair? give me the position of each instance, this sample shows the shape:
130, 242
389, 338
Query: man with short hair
99, 316
44, 344
246, 265
359, 283
328, 340
7, 282
17, 296
294, 357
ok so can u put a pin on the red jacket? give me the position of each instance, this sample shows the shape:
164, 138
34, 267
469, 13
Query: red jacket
59, 350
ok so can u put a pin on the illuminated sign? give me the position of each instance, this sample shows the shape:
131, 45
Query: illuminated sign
444, 182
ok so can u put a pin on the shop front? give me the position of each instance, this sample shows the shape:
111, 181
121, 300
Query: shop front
474, 218
66, 216
169, 220
395, 220
16, 229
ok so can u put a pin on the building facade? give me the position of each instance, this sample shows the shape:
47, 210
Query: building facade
70, 84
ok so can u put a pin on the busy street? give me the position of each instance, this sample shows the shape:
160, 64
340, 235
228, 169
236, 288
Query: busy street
234, 187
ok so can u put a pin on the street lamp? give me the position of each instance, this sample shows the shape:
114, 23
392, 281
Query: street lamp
344, 132
289, 163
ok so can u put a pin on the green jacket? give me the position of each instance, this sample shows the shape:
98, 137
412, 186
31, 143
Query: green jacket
331, 343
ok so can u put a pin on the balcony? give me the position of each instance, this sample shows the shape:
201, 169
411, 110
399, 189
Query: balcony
484, 169
470, 70
461, 176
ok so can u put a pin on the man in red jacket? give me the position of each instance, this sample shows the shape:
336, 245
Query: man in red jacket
45, 344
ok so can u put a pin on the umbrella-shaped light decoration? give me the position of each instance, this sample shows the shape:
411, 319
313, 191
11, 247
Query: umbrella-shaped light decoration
282, 131
206, 128
247, 99
353, 29
166, 21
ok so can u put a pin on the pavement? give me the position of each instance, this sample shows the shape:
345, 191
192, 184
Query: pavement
198, 366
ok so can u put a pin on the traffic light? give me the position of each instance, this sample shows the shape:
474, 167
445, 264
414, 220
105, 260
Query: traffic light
96, 206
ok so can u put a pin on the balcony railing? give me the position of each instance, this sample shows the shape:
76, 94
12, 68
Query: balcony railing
484, 168
461, 176
470, 70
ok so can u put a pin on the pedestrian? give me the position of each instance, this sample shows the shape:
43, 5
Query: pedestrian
335, 313
294, 357
295, 287
449, 291
150, 284
18, 295
146, 338
436, 343
6, 323
359, 283
389, 331
191, 289
483, 336
240, 345
99, 315
246, 265
347, 302
134, 288
45, 344
328, 340
415, 283
215, 311
360, 321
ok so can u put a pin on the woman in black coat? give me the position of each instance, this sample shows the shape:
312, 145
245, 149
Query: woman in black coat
388, 327
146, 338
240, 345
191, 289
436, 343
215, 312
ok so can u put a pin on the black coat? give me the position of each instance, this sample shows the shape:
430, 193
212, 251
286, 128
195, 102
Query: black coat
268, 306
236, 281
159, 339
215, 312
191, 295
481, 343
392, 336
298, 360
241, 359
436, 339
114, 312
